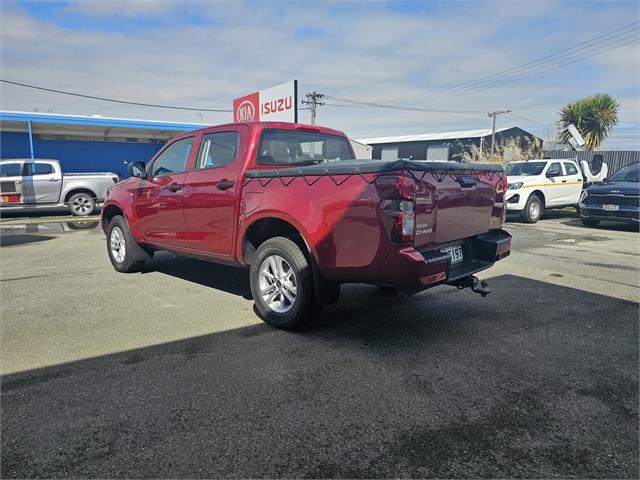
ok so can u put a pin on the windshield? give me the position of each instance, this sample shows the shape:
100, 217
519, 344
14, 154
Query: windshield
627, 174
525, 168
292, 147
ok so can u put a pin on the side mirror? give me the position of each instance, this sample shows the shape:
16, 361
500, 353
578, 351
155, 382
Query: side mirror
553, 174
137, 169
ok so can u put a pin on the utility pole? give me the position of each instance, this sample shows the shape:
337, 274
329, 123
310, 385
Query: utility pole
313, 100
493, 131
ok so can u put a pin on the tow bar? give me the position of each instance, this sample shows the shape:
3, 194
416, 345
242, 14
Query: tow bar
475, 284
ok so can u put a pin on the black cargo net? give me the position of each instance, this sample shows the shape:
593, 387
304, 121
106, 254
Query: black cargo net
340, 174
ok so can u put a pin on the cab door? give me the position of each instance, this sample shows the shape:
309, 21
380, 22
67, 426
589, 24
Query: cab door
211, 189
572, 182
553, 185
158, 198
41, 182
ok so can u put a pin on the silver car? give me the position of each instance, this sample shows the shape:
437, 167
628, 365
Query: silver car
38, 183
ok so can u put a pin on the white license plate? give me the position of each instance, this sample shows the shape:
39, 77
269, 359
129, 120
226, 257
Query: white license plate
454, 252
610, 208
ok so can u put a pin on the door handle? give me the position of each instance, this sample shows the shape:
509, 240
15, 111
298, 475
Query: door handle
225, 184
53, 179
174, 187
564, 181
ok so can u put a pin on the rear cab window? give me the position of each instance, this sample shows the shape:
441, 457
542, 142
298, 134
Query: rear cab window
292, 147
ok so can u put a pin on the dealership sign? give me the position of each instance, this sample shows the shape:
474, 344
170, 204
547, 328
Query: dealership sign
277, 104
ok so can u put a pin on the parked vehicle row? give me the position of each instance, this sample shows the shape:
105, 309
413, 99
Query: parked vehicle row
537, 185
290, 202
39, 183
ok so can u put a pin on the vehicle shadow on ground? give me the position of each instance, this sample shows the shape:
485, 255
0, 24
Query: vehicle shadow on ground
548, 214
229, 279
443, 384
21, 239
611, 226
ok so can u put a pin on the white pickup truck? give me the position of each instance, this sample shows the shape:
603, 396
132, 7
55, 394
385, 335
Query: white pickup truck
38, 183
536, 185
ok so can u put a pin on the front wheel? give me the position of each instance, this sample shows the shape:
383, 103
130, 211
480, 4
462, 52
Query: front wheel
81, 204
590, 222
281, 284
121, 246
533, 209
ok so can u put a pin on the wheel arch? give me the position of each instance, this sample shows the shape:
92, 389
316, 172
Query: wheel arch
540, 195
270, 226
73, 191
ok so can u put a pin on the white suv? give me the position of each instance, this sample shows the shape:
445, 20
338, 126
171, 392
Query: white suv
536, 185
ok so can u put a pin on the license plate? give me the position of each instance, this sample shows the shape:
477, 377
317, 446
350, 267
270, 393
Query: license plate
610, 208
454, 252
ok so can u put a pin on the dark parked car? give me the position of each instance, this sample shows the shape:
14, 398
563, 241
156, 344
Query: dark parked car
618, 199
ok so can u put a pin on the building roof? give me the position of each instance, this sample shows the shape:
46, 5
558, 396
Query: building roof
55, 123
432, 136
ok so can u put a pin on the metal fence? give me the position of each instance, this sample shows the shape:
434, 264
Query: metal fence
615, 159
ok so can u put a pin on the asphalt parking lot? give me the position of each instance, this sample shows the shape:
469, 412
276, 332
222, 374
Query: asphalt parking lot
169, 373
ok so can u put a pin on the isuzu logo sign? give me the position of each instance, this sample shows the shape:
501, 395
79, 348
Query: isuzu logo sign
277, 104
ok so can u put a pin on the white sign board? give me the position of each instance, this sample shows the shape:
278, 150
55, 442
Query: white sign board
276, 104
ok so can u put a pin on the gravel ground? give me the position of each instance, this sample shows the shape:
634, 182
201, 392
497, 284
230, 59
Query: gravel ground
169, 373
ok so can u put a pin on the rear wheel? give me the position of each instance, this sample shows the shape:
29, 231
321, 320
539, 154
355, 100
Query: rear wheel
533, 209
281, 284
122, 247
81, 204
590, 222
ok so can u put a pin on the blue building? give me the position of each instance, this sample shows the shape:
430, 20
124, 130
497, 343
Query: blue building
84, 143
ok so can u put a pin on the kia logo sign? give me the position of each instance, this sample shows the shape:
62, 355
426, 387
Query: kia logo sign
245, 111
275, 104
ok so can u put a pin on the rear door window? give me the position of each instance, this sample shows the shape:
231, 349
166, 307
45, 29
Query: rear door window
34, 169
11, 170
218, 149
173, 159
570, 168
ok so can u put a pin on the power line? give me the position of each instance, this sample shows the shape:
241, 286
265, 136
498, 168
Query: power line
400, 107
547, 58
113, 100
546, 63
536, 71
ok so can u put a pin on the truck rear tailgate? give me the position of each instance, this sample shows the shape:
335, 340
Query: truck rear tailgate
454, 208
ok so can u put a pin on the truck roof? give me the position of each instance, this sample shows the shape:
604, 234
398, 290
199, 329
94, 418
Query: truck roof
283, 126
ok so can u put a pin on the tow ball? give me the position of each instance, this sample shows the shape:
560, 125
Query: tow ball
475, 284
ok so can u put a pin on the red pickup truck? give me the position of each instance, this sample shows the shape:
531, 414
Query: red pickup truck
291, 202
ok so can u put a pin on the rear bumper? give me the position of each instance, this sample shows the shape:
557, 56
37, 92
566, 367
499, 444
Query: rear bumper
415, 270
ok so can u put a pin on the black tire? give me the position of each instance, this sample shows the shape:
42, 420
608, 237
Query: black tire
291, 314
533, 209
131, 261
389, 290
81, 204
590, 222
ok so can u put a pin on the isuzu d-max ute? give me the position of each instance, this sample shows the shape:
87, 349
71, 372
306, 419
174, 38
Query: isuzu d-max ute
290, 202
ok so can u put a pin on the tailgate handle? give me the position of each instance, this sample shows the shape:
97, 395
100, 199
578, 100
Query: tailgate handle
467, 181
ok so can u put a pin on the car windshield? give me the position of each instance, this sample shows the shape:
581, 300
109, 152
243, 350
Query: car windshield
525, 168
292, 147
627, 174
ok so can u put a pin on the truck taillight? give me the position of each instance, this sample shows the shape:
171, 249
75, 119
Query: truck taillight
501, 186
11, 198
398, 207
